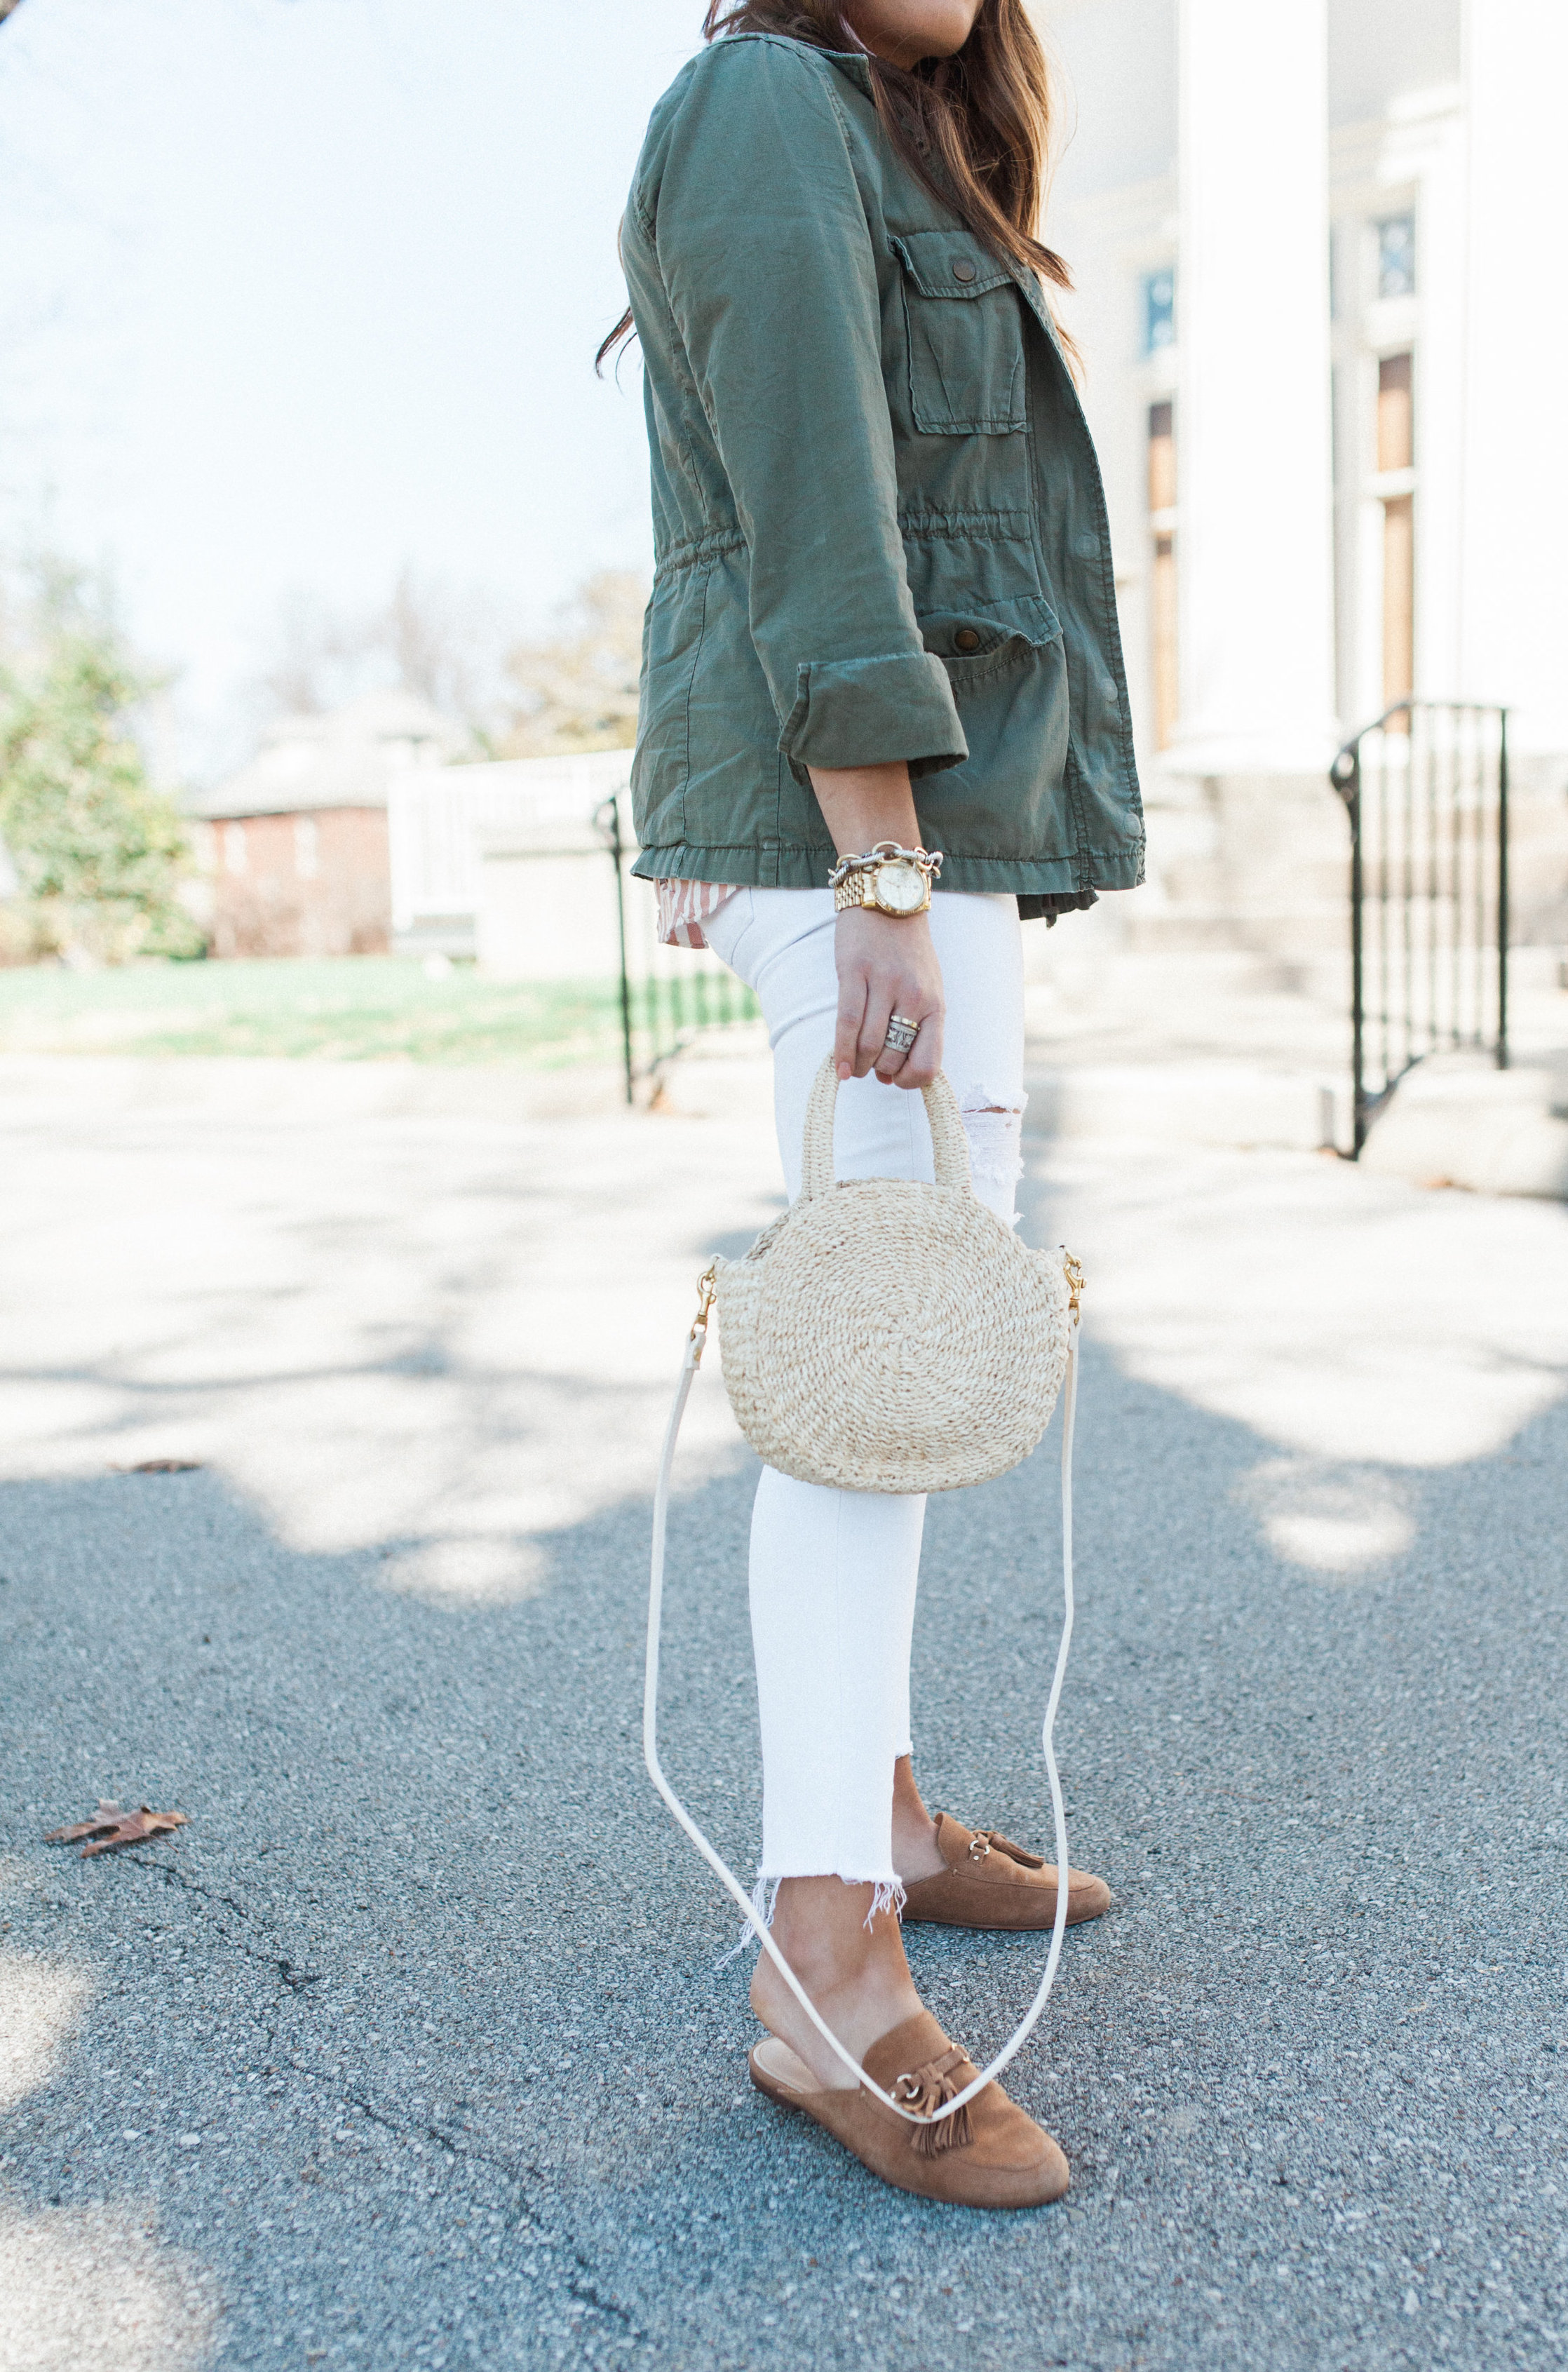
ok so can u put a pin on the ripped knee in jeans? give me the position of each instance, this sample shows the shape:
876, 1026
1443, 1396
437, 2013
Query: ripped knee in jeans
995, 1130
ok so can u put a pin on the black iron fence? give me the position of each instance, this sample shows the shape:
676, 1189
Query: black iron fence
667, 997
1425, 788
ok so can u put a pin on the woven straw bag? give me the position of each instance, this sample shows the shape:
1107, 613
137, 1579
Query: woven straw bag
886, 1335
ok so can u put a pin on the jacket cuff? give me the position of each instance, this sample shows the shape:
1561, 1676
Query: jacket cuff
873, 712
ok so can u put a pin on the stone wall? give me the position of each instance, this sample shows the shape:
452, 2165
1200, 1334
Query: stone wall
1262, 862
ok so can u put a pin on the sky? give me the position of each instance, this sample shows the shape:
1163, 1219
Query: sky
296, 293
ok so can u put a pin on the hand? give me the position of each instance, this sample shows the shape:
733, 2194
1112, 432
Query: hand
886, 964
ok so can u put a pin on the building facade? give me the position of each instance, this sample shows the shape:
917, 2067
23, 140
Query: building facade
1322, 363
295, 847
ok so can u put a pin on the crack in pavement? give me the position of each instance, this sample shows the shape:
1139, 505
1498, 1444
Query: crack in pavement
287, 1972
580, 2286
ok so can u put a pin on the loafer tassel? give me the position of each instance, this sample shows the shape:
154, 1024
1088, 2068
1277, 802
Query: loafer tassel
925, 2090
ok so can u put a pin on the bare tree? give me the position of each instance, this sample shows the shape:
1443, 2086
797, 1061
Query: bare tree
578, 691
575, 690
319, 658
444, 643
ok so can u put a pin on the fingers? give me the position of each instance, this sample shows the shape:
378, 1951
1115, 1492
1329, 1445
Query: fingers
851, 1012
892, 1061
873, 1047
910, 1067
922, 1062
886, 967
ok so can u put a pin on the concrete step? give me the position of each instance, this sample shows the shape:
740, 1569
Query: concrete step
1455, 1121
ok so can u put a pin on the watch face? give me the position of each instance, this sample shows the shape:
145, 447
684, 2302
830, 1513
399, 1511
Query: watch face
899, 888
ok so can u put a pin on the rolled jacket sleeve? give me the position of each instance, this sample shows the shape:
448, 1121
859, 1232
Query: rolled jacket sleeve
765, 255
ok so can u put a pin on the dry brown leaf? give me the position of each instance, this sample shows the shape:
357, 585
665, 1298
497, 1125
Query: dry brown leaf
114, 1825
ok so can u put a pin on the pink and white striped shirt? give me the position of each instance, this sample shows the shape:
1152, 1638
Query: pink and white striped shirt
685, 906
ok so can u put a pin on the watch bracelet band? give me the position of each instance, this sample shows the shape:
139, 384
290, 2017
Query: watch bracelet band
857, 890
885, 853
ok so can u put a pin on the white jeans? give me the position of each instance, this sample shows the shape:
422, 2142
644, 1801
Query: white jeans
833, 1573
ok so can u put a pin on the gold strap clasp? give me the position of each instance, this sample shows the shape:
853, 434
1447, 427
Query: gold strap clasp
707, 1286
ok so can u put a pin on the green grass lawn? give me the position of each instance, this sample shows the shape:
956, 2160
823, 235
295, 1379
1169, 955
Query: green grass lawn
353, 1009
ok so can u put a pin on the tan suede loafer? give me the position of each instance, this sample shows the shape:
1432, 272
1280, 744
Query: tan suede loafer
990, 2155
990, 1882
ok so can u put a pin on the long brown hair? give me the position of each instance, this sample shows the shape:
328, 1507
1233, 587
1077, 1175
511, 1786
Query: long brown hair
973, 128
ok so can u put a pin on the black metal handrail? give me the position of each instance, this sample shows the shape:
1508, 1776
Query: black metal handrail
660, 1016
1426, 787
606, 820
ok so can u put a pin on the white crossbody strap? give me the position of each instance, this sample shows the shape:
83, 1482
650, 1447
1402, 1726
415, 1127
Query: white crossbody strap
727, 1878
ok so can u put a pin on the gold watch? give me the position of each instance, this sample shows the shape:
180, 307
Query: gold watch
890, 879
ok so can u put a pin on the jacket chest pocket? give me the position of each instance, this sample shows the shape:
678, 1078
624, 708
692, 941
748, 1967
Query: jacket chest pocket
966, 336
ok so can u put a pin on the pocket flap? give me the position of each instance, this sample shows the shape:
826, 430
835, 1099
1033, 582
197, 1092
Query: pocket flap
948, 263
974, 633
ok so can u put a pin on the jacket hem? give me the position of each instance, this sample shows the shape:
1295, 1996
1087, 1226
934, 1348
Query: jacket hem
746, 866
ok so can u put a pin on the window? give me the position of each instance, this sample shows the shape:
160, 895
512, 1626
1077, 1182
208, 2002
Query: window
1396, 455
1396, 256
1159, 309
1162, 574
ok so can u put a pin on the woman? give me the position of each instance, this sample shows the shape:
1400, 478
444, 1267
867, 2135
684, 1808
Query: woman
882, 624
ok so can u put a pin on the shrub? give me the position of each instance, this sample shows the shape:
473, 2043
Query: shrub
98, 853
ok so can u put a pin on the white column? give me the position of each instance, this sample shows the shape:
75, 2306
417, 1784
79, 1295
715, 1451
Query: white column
1513, 579
1255, 545
1428, 146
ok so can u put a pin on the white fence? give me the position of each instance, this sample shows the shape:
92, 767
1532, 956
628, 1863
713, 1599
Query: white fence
514, 863
440, 821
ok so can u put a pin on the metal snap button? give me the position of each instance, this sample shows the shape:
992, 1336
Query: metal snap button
965, 639
963, 268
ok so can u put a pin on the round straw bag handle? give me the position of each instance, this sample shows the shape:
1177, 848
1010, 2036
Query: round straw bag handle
949, 1145
889, 1335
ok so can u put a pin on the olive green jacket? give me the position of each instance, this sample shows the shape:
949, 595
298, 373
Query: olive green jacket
878, 523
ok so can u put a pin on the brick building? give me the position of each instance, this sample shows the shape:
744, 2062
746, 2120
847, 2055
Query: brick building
294, 844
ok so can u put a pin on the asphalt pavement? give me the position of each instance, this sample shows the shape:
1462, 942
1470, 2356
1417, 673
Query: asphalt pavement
417, 2046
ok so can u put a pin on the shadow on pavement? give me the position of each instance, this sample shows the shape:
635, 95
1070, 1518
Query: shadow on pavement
412, 2049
